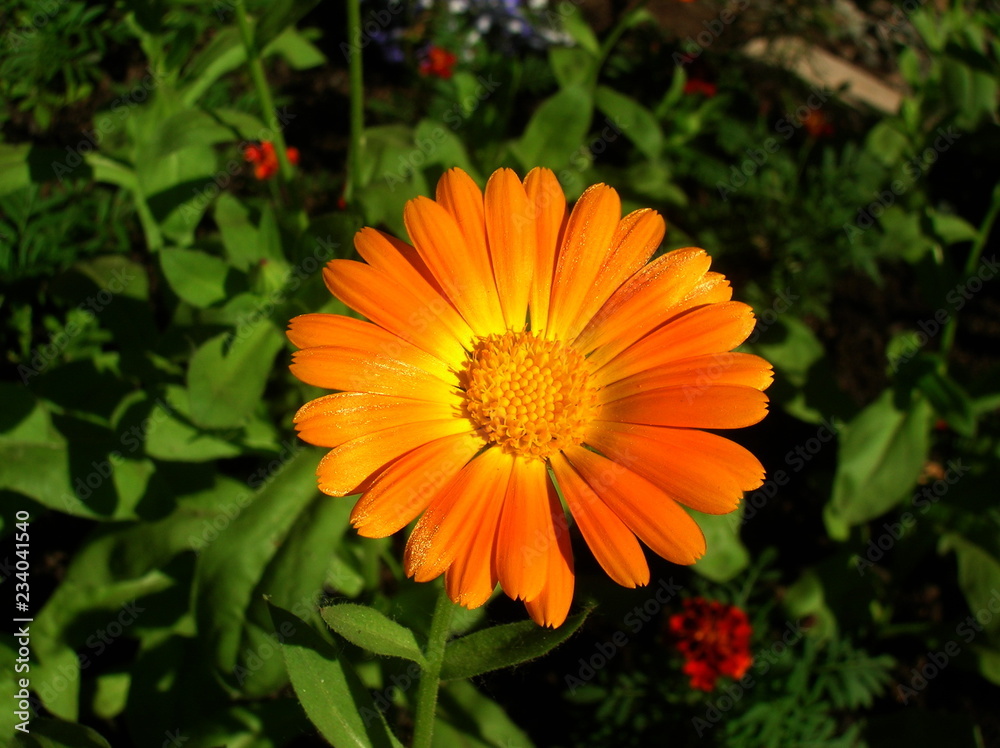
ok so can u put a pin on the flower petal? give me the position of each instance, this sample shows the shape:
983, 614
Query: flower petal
658, 520
548, 202
331, 420
405, 488
609, 539
704, 471
695, 374
471, 578
461, 268
345, 468
551, 606
524, 524
709, 329
585, 247
724, 406
448, 524
510, 227
403, 291
636, 238
364, 370
643, 302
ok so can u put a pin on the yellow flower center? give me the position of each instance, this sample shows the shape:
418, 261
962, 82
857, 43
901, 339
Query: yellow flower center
530, 396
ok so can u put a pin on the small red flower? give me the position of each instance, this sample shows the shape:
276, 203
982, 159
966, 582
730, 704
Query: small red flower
714, 639
438, 62
698, 86
817, 124
265, 159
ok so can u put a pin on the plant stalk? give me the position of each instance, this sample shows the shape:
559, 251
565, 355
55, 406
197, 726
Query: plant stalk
427, 691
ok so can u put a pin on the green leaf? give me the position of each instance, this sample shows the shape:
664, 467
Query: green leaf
978, 576
170, 435
331, 693
196, 277
556, 130
950, 401
573, 66
299, 52
53, 733
952, 229
882, 451
725, 554
373, 631
503, 646
231, 567
239, 235
227, 376
468, 718
637, 122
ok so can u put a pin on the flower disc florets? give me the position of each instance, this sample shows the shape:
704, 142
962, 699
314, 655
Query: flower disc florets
530, 396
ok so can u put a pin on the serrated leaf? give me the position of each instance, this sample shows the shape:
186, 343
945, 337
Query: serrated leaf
503, 646
373, 631
882, 451
332, 695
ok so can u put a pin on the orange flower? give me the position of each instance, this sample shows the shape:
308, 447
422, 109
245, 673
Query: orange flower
265, 159
714, 639
438, 62
511, 340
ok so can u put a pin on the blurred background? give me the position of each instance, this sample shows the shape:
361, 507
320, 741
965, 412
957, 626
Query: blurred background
175, 174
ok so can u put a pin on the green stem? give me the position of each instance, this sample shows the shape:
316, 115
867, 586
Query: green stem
948, 337
259, 78
357, 99
427, 691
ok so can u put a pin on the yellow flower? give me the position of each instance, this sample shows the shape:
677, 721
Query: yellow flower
512, 348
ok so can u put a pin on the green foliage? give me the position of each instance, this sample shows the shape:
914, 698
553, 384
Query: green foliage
190, 583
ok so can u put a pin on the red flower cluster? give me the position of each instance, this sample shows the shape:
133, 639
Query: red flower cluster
714, 639
699, 86
265, 159
438, 62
